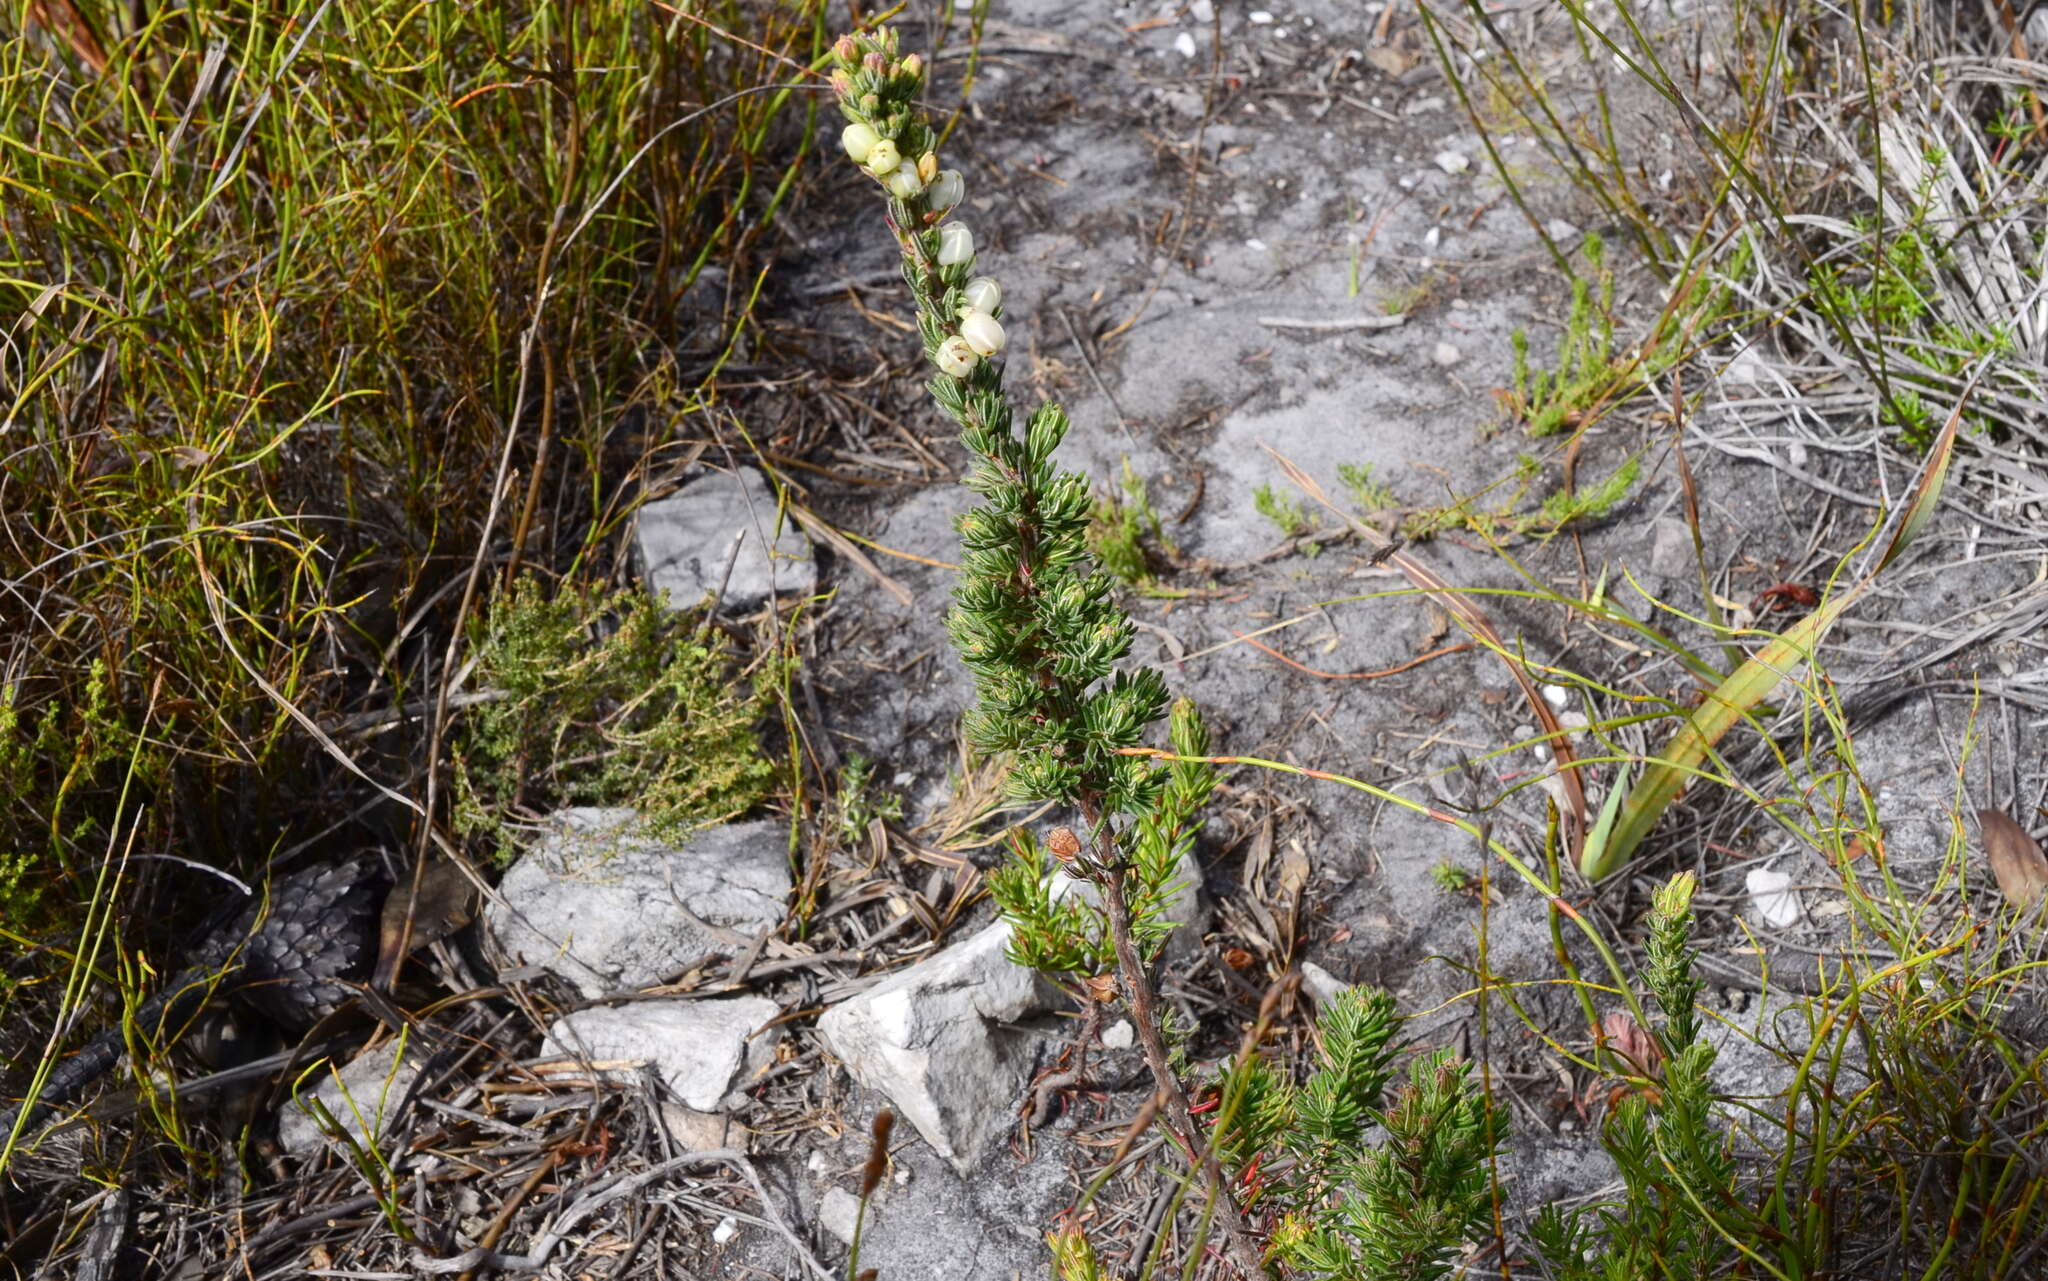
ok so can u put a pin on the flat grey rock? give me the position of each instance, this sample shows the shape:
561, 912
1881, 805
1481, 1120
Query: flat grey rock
685, 542
704, 1050
363, 1096
1671, 551
607, 909
935, 1039
1322, 986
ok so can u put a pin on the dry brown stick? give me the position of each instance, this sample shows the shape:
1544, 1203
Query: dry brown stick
1244, 1252
1053, 1082
496, 1231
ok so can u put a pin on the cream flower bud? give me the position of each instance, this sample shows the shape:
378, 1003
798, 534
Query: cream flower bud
883, 158
913, 66
947, 189
928, 167
858, 140
903, 183
983, 332
956, 357
956, 243
982, 294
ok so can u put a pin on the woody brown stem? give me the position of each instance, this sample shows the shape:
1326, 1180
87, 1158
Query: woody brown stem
1243, 1251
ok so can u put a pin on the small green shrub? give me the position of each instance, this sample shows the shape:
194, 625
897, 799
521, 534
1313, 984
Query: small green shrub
1119, 525
651, 715
858, 802
1394, 1209
1453, 879
1680, 1202
1894, 292
1587, 502
1284, 510
1368, 492
1549, 402
1040, 628
1070, 937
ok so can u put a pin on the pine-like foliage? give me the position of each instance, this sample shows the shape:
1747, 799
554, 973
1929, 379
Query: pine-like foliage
1040, 628
1679, 1205
1394, 1210
1035, 621
1069, 935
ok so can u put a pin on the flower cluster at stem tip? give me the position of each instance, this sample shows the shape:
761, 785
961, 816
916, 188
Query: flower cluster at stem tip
883, 135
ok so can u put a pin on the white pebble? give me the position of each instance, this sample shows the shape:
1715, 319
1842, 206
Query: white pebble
1776, 902
1184, 44
1259, 245
1557, 696
1259, 17
728, 1228
1323, 986
1452, 161
1120, 1036
1446, 355
1202, 10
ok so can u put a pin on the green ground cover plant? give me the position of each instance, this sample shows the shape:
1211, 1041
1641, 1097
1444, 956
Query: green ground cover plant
655, 713
1121, 525
1284, 510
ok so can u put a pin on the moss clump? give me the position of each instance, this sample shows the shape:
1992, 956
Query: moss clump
609, 699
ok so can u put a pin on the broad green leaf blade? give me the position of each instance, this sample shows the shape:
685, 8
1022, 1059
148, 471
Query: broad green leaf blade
1733, 699
1595, 854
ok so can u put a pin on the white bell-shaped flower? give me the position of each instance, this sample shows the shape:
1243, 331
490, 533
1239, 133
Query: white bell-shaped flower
903, 182
947, 190
956, 242
883, 158
983, 332
858, 140
956, 357
982, 294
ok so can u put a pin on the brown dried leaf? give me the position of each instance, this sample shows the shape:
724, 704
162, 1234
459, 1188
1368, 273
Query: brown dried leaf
1391, 61
1636, 1047
2016, 859
444, 904
1102, 987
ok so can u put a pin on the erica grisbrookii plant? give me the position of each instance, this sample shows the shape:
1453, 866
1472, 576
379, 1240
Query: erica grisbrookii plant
1032, 618
1038, 625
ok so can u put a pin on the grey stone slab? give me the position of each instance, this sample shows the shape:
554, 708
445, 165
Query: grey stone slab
607, 908
704, 1050
686, 541
935, 1039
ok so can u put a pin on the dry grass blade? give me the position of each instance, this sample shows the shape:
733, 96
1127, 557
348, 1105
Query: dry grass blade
816, 526
2015, 857
1476, 624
